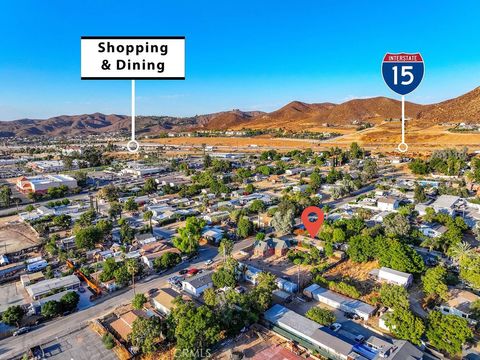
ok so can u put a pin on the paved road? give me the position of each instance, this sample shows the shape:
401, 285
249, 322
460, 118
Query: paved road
14, 346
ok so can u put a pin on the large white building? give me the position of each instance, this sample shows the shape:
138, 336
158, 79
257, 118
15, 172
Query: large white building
45, 287
41, 183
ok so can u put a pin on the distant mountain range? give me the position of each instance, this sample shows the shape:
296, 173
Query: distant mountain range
293, 116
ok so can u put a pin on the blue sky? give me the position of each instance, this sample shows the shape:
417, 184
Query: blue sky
248, 54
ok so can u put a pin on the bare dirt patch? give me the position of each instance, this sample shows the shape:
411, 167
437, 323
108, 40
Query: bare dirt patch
16, 236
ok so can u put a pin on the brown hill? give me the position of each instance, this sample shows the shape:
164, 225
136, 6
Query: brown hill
297, 115
462, 109
293, 116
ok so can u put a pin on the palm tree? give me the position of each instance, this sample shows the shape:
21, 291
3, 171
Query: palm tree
460, 251
132, 269
147, 216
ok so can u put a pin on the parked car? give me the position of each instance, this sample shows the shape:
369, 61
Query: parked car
81, 290
209, 262
351, 315
192, 272
152, 291
22, 330
359, 339
183, 271
335, 327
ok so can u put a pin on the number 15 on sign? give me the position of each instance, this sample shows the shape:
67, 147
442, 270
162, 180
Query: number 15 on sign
403, 73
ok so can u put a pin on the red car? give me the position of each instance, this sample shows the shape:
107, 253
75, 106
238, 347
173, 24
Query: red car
192, 271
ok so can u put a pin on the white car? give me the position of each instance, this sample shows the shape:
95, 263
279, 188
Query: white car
209, 262
335, 327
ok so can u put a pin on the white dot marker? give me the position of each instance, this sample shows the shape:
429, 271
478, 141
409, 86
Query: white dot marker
133, 146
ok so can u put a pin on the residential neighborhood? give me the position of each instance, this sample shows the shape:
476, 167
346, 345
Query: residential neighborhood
204, 253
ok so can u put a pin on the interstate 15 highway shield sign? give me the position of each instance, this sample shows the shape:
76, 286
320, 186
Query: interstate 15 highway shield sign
403, 72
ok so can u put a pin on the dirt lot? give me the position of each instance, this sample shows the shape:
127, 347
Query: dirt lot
384, 138
419, 138
356, 274
15, 235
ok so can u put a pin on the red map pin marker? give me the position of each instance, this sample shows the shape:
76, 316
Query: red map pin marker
312, 226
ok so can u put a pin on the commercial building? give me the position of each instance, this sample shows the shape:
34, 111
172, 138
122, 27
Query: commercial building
41, 184
45, 287
309, 333
338, 301
332, 345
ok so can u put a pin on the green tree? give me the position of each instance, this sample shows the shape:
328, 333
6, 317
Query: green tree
105, 227
261, 295
146, 334
195, 328
51, 309
225, 248
249, 189
244, 227
13, 315
257, 206
108, 269
150, 186
224, 278
147, 216
419, 194
210, 297
122, 276
69, 301
133, 268
321, 316
362, 248
115, 210
396, 225
108, 341
435, 282
401, 257
167, 261
138, 301
356, 151
419, 167
394, 296
405, 325
127, 233
5, 195
283, 220
87, 237
315, 181
188, 237
86, 219
447, 332
130, 205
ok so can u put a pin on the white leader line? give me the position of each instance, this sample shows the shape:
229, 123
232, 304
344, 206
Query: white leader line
403, 119
133, 109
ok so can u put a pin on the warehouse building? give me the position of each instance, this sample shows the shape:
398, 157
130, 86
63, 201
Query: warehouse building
41, 184
309, 334
338, 301
46, 287
331, 345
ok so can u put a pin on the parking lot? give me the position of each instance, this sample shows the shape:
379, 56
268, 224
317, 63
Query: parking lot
83, 344
11, 294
